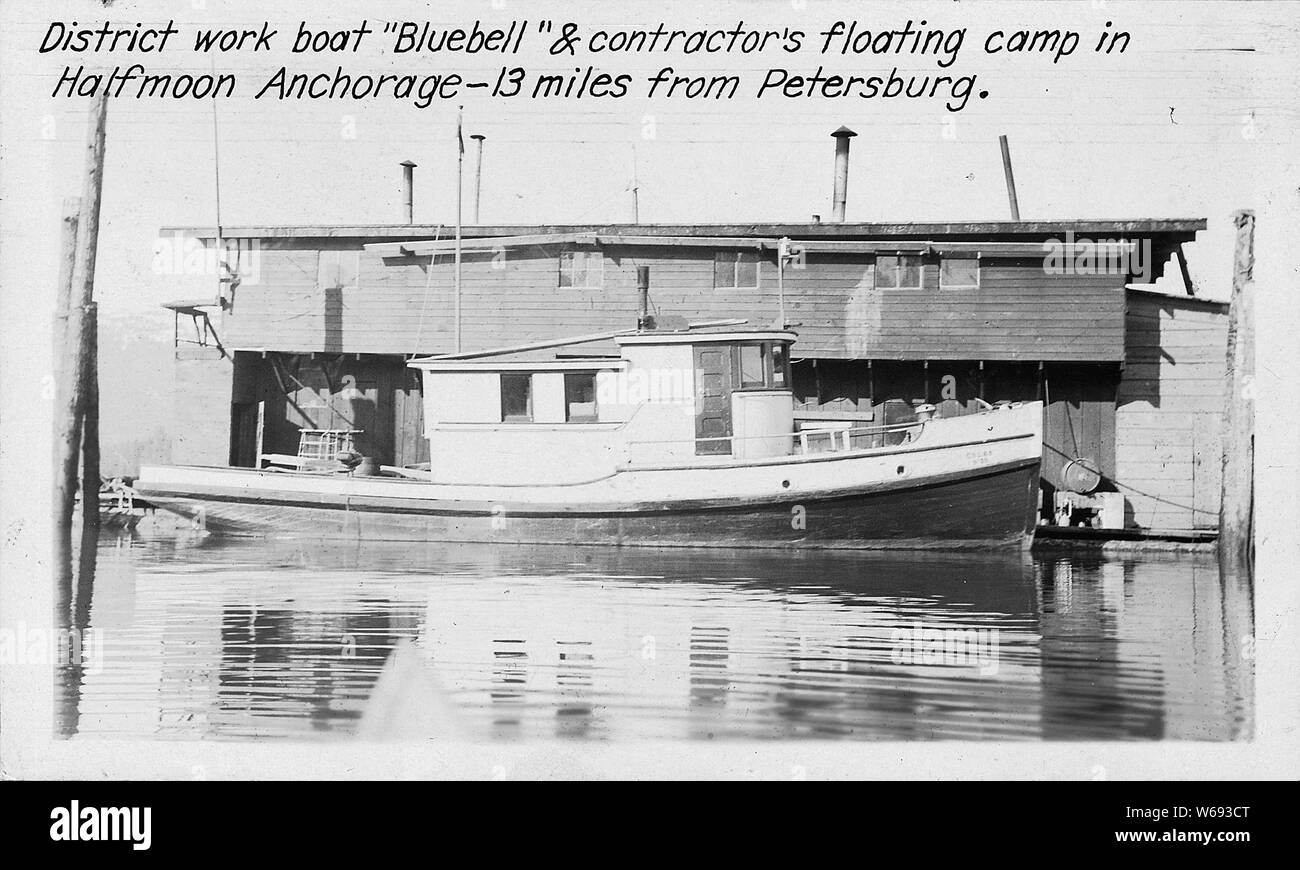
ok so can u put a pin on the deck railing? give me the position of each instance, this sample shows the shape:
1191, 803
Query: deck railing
807, 442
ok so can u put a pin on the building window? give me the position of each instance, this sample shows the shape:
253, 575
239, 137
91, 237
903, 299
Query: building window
582, 269
903, 272
959, 273
516, 398
337, 270
735, 269
580, 397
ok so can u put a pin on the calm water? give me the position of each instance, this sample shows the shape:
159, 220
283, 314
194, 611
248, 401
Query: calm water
223, 639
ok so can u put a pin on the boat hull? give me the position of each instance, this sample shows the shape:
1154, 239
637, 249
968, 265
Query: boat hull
962, 482
980, 508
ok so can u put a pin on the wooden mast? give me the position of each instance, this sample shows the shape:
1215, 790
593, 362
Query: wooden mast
460, 168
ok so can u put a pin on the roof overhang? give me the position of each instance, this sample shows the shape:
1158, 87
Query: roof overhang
1007, 230
1147, 292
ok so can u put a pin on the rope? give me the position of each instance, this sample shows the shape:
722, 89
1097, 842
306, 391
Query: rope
1132, 489
424, 303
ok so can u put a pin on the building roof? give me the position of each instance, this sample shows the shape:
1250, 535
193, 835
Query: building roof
1185, 228
892, 245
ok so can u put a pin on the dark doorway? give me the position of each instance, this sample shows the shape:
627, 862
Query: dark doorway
713, 399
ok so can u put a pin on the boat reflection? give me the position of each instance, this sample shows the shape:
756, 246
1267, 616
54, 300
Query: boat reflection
240, 638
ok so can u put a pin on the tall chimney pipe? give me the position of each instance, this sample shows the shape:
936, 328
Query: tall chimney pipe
408, 185
1011, 178
842, 137
478, 173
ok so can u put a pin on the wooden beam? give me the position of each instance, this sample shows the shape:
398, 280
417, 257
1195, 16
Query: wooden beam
522, 348
1188, 283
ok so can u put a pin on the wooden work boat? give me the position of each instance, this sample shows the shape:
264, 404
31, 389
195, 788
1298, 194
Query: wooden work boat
687, 438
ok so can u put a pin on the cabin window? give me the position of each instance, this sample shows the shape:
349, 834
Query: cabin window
903, 272
582, 269
959, 273
735, 269
762, 365
337, 270
516, 398
580, 397
753, 365
780, 366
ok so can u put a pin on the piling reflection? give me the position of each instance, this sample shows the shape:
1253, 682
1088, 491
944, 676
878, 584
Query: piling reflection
240, 639
73, 593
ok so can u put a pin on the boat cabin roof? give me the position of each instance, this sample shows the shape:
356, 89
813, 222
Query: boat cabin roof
495, 364
725, 336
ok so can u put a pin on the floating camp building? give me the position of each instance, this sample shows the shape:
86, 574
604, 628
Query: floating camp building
315, 325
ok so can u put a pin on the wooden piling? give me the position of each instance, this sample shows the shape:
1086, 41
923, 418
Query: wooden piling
90, 477
64, 487
1236, 510
76, 392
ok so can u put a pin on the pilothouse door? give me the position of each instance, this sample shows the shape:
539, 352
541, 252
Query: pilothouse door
714, 382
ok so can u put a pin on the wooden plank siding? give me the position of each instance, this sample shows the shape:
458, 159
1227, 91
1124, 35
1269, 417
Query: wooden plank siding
1018, 313
1169, 414
404, 305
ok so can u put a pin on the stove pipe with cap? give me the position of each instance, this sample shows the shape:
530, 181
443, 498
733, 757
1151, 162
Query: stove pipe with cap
842, 137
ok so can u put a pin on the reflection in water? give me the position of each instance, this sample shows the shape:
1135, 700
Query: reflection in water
709, 680
238, 639
317, 667
509, 676
575, 715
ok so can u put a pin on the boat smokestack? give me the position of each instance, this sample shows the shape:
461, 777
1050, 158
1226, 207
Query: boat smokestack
408, 190
842, 137
643, 320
